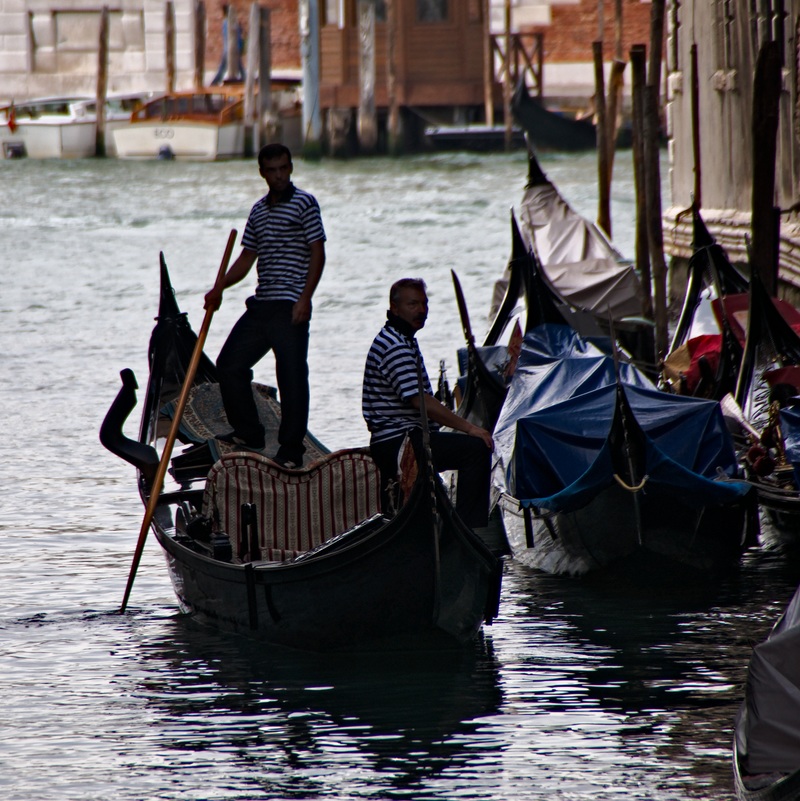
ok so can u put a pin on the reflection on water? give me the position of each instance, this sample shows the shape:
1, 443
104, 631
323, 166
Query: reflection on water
580, 690
289, 710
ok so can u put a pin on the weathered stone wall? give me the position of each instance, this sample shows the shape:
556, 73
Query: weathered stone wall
50, 48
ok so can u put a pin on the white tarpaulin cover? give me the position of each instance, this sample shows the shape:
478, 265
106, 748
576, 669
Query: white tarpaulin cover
768, 726
580, 263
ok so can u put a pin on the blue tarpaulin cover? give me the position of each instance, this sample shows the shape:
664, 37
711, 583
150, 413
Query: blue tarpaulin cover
553, 430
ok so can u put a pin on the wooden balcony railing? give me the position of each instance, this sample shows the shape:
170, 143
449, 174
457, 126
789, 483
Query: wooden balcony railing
526, 59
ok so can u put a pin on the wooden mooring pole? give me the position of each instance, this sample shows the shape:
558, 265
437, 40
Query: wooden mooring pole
169, 44
393, 133
102, 86
199, 44
765, 217
652, 132
638, 56
367, 117
603, 186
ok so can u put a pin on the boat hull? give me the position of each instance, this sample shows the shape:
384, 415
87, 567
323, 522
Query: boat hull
49, 140
619, 531
401, 586
189, 140
785, 788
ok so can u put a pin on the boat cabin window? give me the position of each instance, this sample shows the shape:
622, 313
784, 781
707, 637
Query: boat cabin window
431, 10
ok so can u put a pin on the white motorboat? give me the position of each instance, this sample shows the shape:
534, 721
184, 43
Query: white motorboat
61, 127
204, 124
198, 125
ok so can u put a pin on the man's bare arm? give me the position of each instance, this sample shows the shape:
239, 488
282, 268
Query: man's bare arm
439, 413
236, 272
301, 312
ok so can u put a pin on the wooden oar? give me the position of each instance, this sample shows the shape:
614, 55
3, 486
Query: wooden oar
158, 481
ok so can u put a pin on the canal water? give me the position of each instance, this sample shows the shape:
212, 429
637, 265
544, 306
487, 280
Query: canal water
578, 691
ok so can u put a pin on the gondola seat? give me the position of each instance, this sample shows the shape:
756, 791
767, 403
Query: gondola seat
296, 510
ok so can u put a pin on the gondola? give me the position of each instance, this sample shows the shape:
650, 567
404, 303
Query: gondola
551, 130
707, 344
735, 344
297, 558
583, 268
766, 397
766, 746
599, 471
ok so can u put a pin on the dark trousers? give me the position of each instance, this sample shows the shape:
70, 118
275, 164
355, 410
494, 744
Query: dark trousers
450, 451
265, 326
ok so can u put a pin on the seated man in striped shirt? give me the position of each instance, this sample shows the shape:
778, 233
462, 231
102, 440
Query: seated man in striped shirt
391, 402
284, 233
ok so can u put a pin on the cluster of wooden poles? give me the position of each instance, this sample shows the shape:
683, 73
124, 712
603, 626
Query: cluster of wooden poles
258, 72
646, 123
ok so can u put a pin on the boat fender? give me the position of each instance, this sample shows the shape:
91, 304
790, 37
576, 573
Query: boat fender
526, 515
142, 456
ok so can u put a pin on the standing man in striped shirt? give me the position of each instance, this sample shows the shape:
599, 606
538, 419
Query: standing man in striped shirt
391, 401
284, 233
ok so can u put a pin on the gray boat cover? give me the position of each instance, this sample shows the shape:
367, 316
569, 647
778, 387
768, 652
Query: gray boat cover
768, 723
580, 263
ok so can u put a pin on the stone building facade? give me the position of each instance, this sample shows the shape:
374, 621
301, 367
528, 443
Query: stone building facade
49, 48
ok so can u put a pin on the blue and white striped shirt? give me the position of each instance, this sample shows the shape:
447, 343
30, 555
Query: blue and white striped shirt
390, 381
281, 235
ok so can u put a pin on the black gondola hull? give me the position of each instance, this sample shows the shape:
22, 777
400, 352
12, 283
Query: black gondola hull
421, 578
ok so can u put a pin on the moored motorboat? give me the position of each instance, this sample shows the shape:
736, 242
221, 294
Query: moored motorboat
299, 558
204, 124
198, 125
61, 127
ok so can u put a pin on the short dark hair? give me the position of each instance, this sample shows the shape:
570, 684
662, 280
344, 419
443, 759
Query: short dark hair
406, 283
273, 151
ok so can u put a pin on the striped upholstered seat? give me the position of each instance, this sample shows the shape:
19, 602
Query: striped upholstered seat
295, 510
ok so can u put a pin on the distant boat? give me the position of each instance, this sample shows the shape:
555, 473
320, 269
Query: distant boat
550, 129
199, 125
61, 127
202, 124
476, 138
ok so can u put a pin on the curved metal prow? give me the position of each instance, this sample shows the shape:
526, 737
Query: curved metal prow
143, 457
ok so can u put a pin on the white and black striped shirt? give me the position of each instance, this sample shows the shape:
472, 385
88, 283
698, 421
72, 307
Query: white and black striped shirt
390, 381
281, 235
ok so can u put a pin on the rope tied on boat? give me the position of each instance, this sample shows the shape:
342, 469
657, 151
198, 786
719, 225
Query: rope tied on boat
630, 487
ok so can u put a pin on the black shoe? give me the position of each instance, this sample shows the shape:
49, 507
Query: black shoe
232, 438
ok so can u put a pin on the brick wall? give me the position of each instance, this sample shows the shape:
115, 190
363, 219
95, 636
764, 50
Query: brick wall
573, 28
285, 32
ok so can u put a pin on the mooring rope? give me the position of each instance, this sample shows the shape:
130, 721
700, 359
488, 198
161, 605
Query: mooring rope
629, 487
